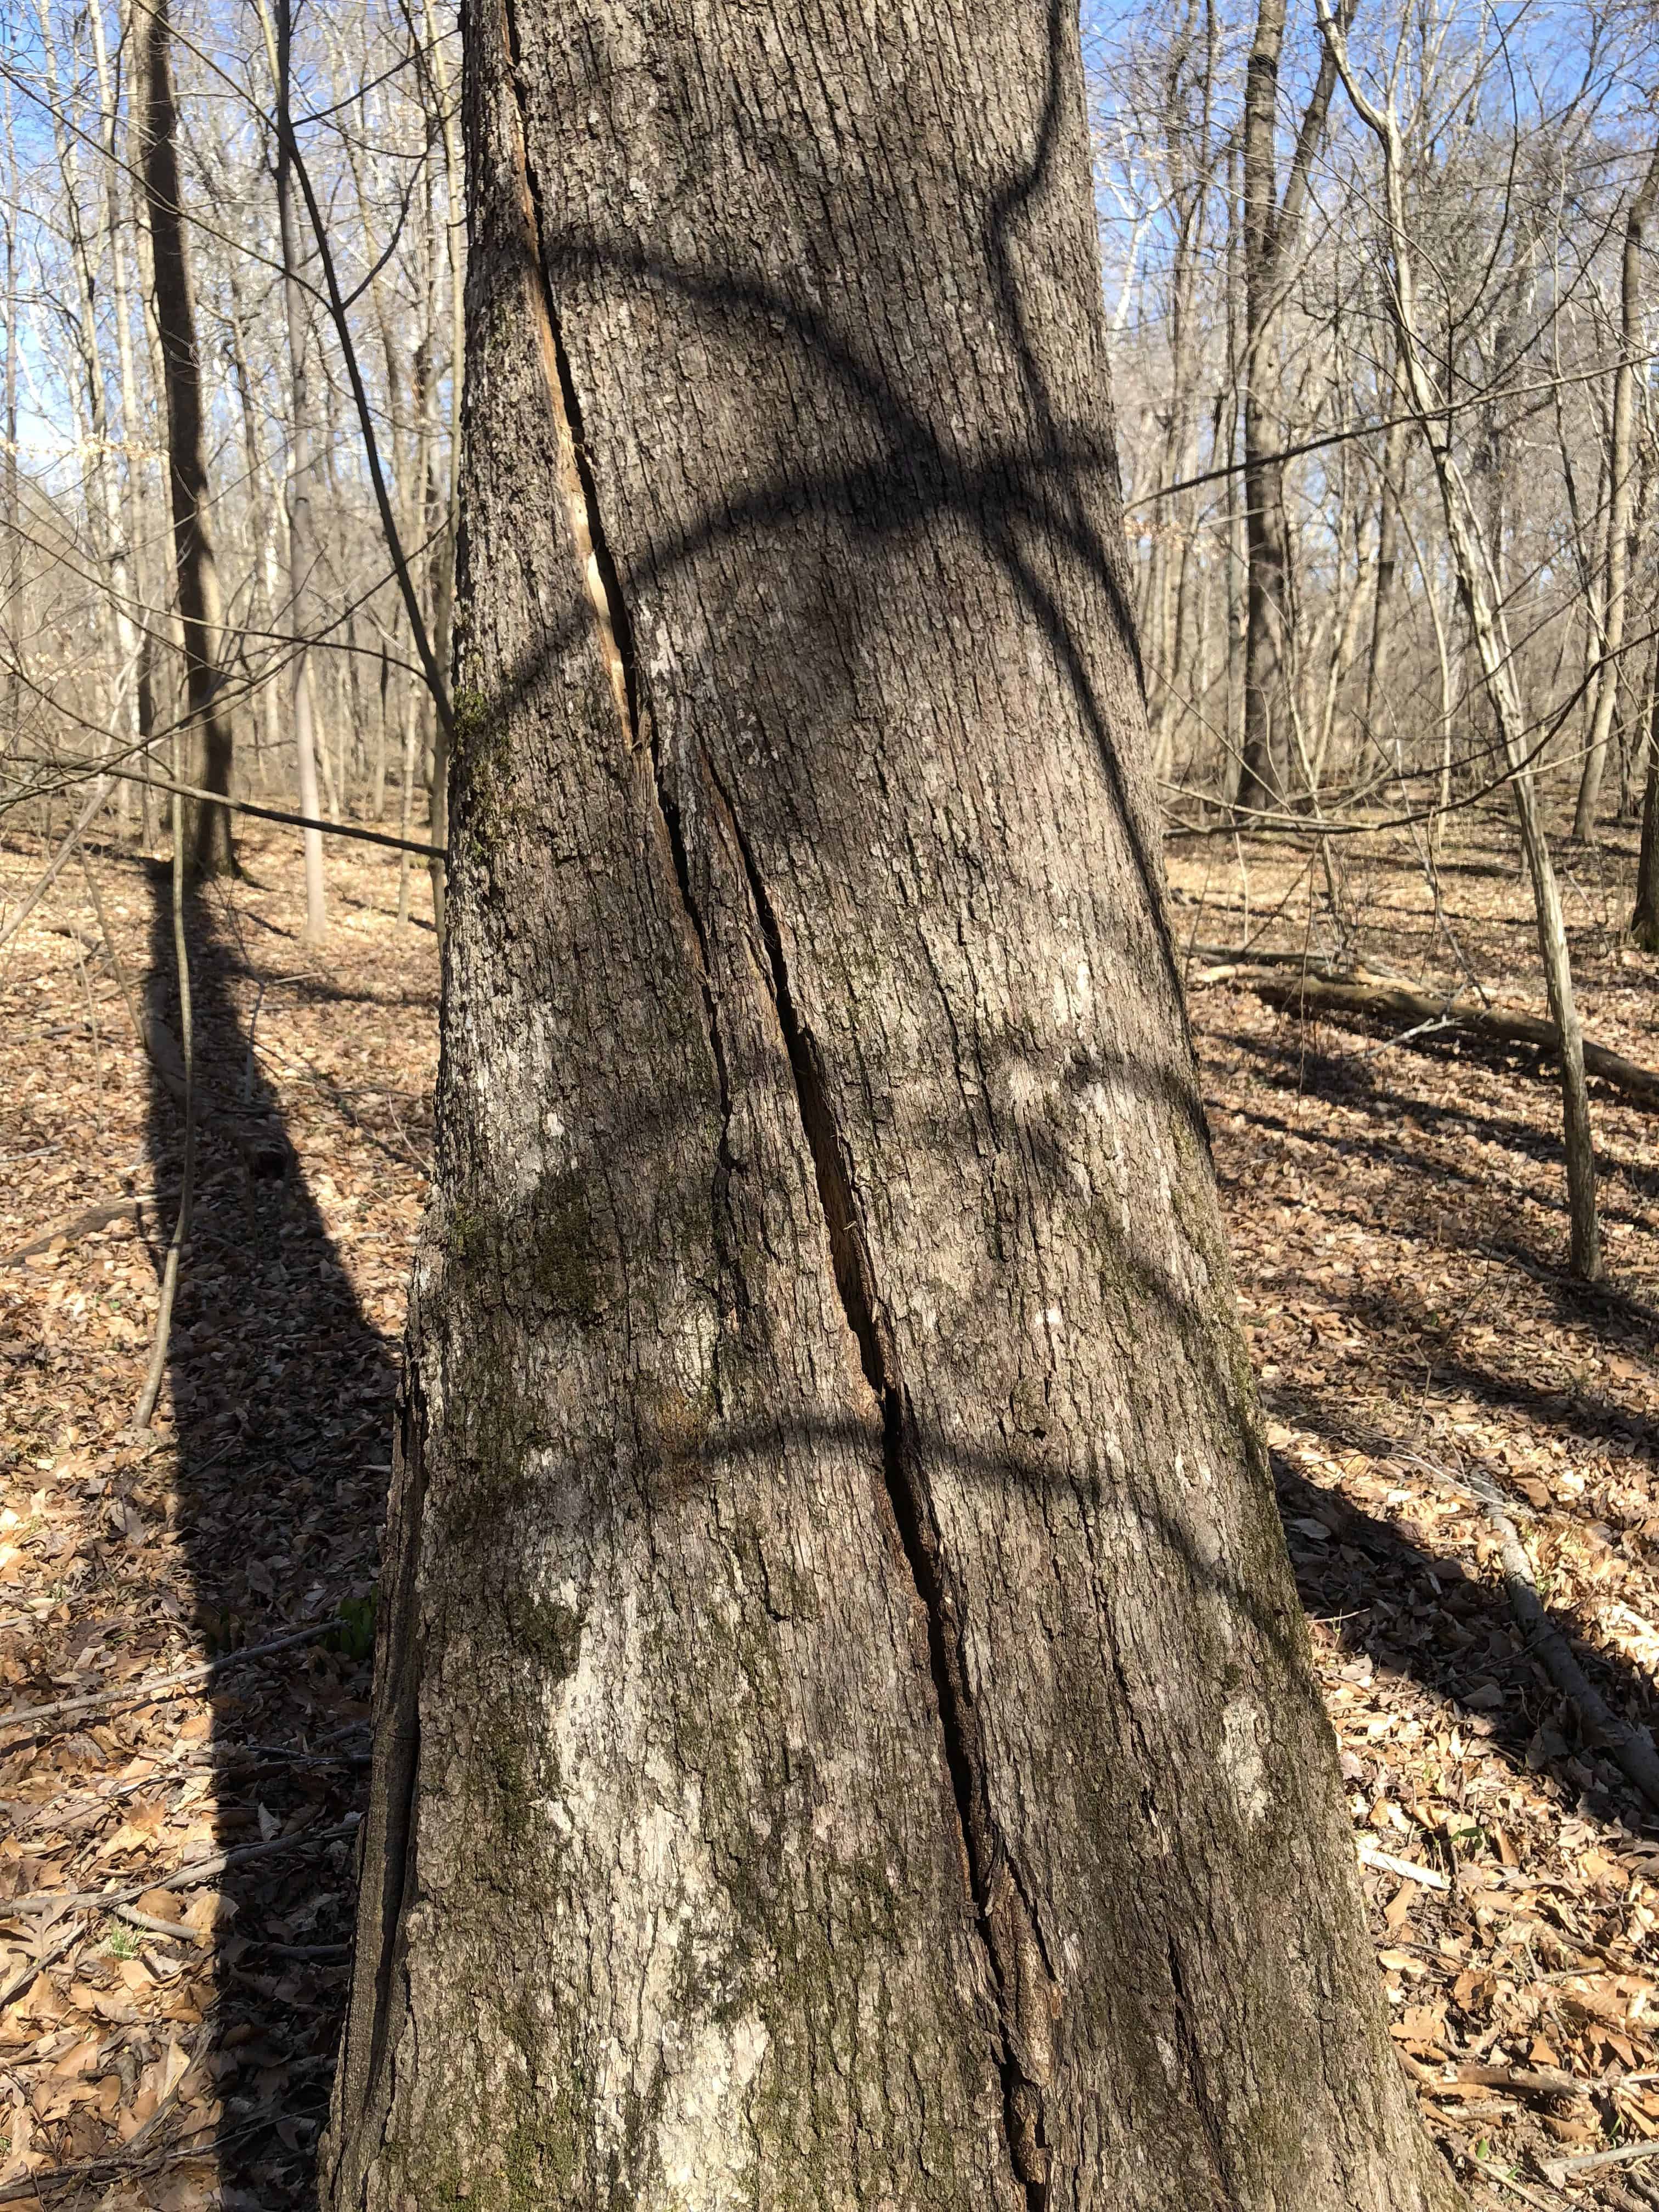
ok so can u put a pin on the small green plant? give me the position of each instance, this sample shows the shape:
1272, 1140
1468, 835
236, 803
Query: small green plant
121, 1942
353, 1636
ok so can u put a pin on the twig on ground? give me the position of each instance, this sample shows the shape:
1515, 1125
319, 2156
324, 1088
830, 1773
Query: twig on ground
1632, 1747
84, 1224
190, 1876
1560, 2171
142, 1693
17, 1983
120, 2162
1385, 1863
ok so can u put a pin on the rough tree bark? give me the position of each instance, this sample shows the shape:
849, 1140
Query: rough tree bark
845, 1732
208, 754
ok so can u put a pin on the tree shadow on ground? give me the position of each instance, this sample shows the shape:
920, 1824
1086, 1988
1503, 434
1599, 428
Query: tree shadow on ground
1370, 1578
279, 1391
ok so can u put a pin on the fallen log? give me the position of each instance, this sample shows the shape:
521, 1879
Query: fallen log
1317, 994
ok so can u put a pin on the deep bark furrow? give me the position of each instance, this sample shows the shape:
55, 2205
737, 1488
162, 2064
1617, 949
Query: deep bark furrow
1192, 2060
402, 1674
1019, 1969
610, 606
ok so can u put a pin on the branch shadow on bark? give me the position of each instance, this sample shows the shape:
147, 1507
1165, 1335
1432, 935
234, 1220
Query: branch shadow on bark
280, 1391
1035, 503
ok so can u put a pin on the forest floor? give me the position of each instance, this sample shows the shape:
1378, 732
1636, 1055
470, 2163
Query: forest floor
1396, 1212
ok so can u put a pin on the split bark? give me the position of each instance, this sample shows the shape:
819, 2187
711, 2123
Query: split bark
844, 1730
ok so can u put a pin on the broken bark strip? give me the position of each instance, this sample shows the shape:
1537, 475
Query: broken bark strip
1028, 1995
1385, 1001
1632, 1747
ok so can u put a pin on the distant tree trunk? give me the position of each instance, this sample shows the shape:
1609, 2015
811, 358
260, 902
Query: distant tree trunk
208, 754
1271, 227
846, 1734
1645, 921
1390, 500
1479, 571
12, 604
302, 551
443, 582
105, 515
1622, 471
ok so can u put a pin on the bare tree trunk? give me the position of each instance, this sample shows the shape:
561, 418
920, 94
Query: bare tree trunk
209, 755
105, 521
1480, 585
1270, 228
846, 1734
1390, 500
303, 548
1622, 471
13, 603
444, 580
1645, 921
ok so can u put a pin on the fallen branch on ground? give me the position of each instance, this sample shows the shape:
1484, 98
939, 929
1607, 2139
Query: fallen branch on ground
190, 1876
1557, 2172
140, 1693
1393, 1001
1632, 1747
84, 1224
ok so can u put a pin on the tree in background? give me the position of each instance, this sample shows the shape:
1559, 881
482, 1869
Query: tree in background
206, 753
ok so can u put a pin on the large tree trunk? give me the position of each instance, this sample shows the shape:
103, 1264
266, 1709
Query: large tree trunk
207, 760
846, 1735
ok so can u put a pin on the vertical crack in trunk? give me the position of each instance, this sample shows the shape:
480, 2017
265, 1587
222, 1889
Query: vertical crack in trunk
390, 1829
603, 589
1192, 2057
1028, 1993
